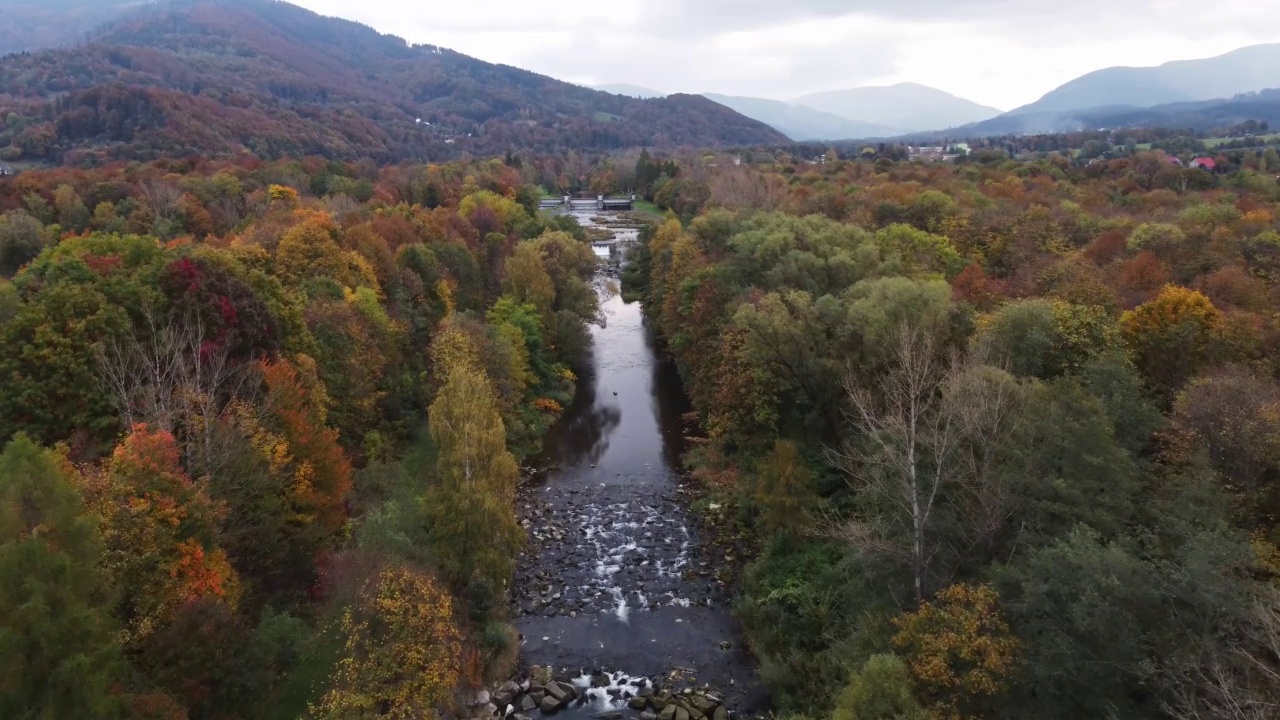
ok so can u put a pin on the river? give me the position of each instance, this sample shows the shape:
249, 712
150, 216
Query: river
614, 578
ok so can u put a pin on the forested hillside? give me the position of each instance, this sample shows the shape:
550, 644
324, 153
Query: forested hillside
1262, 106
275, 80
1005, 434
261, 425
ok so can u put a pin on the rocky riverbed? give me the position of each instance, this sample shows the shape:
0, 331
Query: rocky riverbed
605, 696
616, 581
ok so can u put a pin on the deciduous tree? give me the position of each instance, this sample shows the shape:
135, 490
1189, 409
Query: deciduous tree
402, 653
959, 650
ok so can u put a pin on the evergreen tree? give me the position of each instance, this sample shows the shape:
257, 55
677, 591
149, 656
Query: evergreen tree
58, 654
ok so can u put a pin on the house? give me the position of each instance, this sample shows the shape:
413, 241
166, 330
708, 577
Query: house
5, 171
926, 153
1204, 163
1175, 161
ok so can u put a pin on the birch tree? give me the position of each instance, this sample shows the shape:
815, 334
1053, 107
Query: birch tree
928, 441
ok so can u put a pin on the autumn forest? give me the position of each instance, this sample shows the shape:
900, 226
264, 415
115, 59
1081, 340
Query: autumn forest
285, 331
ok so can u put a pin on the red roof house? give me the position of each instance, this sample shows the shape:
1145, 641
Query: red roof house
1204, 163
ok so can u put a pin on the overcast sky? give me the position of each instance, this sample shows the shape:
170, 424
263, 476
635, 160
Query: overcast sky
1003, 53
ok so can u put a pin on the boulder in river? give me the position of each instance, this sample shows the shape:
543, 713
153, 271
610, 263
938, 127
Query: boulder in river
527, 703
637, 703
668, 712
549, 705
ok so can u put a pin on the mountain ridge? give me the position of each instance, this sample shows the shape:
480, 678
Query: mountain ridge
629, 90
285, 77
1197, 116
798, 122
1246, 69
906, 107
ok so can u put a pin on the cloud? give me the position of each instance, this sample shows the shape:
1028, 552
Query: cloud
998, 52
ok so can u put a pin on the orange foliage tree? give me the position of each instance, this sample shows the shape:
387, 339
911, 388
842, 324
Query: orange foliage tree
289, 430
159, 529
959, 651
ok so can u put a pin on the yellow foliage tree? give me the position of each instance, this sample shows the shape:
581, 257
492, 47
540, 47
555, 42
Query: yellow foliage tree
471, 502
1173, 336
310, 250
528, 281
402, 656
959, 651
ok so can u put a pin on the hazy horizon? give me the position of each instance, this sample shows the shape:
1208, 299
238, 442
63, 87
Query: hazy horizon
1002, 53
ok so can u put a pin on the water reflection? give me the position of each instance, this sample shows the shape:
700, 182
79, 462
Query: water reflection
582, 435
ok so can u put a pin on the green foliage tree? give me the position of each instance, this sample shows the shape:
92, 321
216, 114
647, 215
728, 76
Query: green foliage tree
1047, 338
22, 238
784, 487
471, 498
880, 690
58, 650
1099, 619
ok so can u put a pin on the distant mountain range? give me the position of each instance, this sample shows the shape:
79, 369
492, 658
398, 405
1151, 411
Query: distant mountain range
802, 123
867, 112
1194, 94
268, 77
905, 107
1199, 94
221, 76
1240, 71
1197, 116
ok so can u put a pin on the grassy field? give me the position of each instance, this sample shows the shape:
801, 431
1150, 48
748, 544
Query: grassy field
1212, 143
647, 211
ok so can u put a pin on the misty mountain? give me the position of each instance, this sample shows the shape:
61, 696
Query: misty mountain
38, 24
267, 77
635, 91
906, 107
1240, 71
1201, 116
798, 122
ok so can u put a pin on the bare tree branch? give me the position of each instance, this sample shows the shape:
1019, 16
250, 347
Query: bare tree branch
930, 432
169, 375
